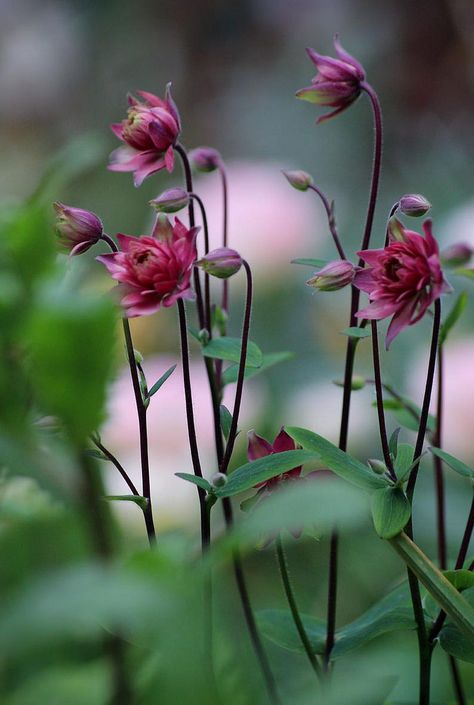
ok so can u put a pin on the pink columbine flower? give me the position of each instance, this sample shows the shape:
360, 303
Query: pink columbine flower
403, 279
258, 447
150, 132
154, 271
335, 275
77, 229
337, 83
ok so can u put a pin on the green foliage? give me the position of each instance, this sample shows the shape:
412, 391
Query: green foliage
453, 639
452, 462
452, 317
229, 349
407, 413
390, 511
159, 383
226, 420
356, 332
195, 480
315, 263
140, 501
268, 360
403, 461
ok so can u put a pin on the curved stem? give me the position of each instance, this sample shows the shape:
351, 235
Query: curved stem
438, 469
393, 210
189, 187
380, 409
376, 166
331, 219
225, 283
205, 523
118, 465
207, 295
290, 596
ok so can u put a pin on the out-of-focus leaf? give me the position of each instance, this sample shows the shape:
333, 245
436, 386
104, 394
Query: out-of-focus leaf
390, 511
407, 413
229, 349
403, 460
75, 685
269, 360
140, 501
393, 442
357, 332
315, 263
467, 272
452, 317
452, 462
226, 420
195, 480
338, 461
454, 641
461, 579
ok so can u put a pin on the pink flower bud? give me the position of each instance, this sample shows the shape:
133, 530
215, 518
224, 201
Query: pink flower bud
335, 275
414, 205
300, 180
77, 229
456, 255
205, 159
171, 201
221, 263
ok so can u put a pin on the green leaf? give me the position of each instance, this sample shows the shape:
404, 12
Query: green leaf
461, 579
226, 420
195, 332
97, 454
403, 460
467, 272
453, 317
250, 474
229, 349
195, 480
337, 460
447, 597
231, 373
393, 442
454, 641
455, 464
315, 263
356, 332
394, 612
161, 381
390, 511
407, 413
142, 502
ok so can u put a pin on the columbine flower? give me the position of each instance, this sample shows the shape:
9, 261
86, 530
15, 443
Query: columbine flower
414, 205
77, 229
403, 279
337, 83
221, 263
300, 180
258, 447
171, 201
205, 159
335, 275
153, 271
150, 132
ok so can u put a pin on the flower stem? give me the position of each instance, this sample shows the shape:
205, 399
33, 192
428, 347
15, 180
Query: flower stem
118, 465
438, 468
207, 295
283, 565
225, 220
331, 219
380, 409
376, 166
189, 187
205, 523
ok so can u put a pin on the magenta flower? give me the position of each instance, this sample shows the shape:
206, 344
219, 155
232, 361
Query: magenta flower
337, 83
150, 132
258, 447
403, 279
153, 271
77, 229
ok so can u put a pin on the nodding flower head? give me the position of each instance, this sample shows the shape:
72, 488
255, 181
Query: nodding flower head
258, 447
335, 275
403, 279
149, 132
221, 263
77, 229
205, 159
337, 83
153, 271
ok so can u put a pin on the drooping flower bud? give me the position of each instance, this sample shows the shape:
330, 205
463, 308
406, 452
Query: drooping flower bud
299, 179
335, 275
77, 229
204, 159
221, 263
171, 201
456, 255
414, 205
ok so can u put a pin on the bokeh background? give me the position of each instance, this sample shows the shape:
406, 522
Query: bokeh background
65, 69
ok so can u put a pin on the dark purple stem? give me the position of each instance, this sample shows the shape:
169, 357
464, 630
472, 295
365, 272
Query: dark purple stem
438, 468
379, 396
207, 295
331, 219
118, 465
377, 163
225, 284
189, 187
205, 523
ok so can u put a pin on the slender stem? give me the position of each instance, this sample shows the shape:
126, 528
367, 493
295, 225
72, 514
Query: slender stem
376, 166
241, 375
290, 596
331, 219
332, 598
424, 647
118, 465
457, 682
225, 210
109, 241
143, 431
189, 187
207, 295
205, 523
438, 468
380, 409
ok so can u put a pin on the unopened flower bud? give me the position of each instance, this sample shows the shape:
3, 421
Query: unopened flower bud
77, 229
221, 263
335, 275
414, 204
377, 466
218, 480
204, 158
300, 180
456, 255
171, 201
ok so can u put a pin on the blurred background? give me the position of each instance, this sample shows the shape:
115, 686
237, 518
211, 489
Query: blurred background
65, 69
